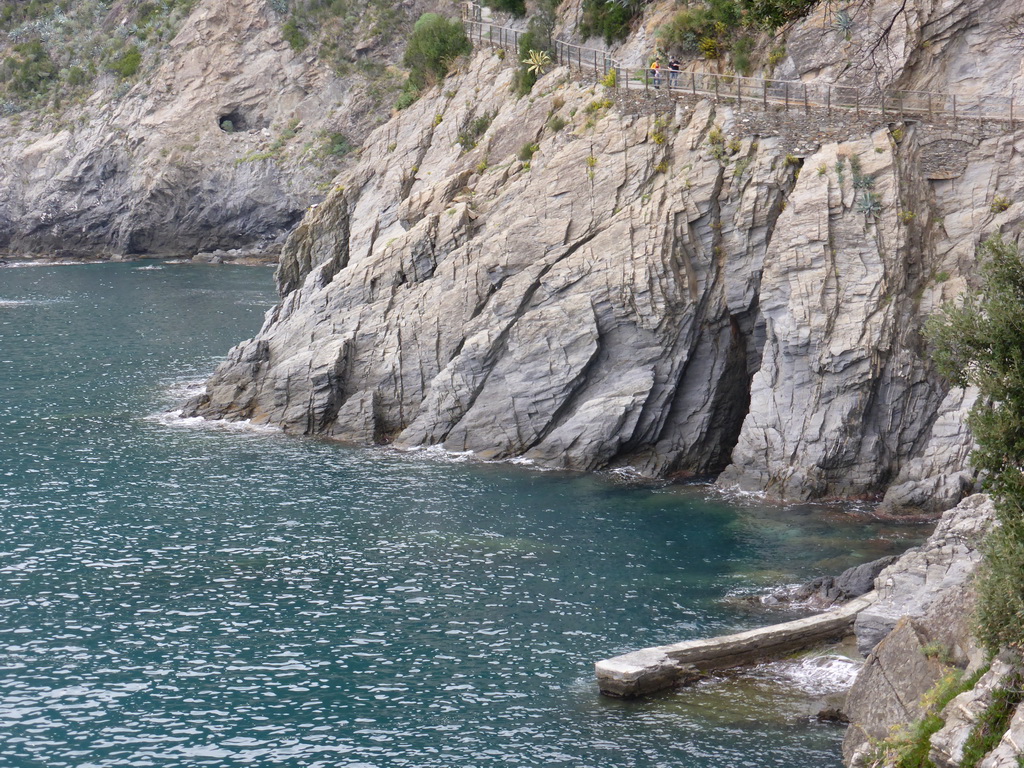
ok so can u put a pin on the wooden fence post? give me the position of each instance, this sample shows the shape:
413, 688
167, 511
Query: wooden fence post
807, 107
828, 100
954, 109
1011, 113
856, 98
764, 94
739, 91
693, 83
787, 95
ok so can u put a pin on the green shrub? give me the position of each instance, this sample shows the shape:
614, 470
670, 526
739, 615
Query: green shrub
980, 343
76, 76
741, 50
1000, 203
515, 7
556, 123
28, 69
527, 151
610, 19
474, 130
434, 46
337, 144
718, 20
993, 722
535, 41
293, 36
128, 62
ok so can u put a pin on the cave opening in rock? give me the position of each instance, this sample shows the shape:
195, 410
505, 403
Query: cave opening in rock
232, 121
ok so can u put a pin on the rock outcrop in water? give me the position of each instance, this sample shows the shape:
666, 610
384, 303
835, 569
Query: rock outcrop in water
680, 288
917, 633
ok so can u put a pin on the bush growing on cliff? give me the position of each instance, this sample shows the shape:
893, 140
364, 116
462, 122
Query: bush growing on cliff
981, 344
127, 62
536, 43
29, 68
433, 47
610, 19
717, 21
515, 7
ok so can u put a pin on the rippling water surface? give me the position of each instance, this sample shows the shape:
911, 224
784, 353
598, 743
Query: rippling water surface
180, 594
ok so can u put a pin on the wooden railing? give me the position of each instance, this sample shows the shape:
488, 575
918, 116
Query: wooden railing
788, 94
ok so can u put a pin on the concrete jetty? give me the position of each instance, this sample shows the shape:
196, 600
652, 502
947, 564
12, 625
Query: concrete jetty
665, 666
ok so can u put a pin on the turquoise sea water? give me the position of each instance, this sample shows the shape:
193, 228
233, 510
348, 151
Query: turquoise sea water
176, 594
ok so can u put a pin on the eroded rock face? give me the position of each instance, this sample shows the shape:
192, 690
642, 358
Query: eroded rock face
151, 172
940, 567
658, 288
918, 626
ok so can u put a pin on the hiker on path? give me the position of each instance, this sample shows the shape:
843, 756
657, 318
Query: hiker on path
656, 73
673, 72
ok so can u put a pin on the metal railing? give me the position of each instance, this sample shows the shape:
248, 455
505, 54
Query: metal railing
788, 94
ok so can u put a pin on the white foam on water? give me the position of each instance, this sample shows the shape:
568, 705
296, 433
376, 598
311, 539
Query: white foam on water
175, 420
814, 675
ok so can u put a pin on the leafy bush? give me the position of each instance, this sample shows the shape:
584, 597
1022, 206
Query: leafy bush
127, 63
533, 43
293, 36
515, 7
337, 145
609, 19
993, 722
741, 50
433, 47
527, 151
556, 123
980, 343
717, 21
1000, 203
29, 68
476, 128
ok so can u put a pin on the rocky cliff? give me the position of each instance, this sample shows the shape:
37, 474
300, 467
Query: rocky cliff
679, 288
920, 653
222, 140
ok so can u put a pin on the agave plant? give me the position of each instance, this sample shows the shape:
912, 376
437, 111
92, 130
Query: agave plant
844, 24
870, 204
537, 61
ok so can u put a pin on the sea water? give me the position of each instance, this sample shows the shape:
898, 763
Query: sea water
175, 593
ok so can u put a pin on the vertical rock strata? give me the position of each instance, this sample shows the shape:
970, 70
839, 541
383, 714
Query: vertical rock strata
661, 286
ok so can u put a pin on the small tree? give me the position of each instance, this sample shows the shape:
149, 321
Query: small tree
982, 343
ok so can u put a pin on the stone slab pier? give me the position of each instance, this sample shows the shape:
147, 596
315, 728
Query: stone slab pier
665, 666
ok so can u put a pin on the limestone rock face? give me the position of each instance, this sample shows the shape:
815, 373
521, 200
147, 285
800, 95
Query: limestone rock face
662, 286
148, 170
963, 713
919, 624
926, 574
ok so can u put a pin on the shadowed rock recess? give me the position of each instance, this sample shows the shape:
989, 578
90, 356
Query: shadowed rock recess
655, 288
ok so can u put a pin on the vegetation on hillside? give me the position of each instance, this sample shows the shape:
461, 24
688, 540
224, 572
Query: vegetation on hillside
337, 31
55, 50
715, 27
515, 7
536, 45
610, 19
435, 44
981, 343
